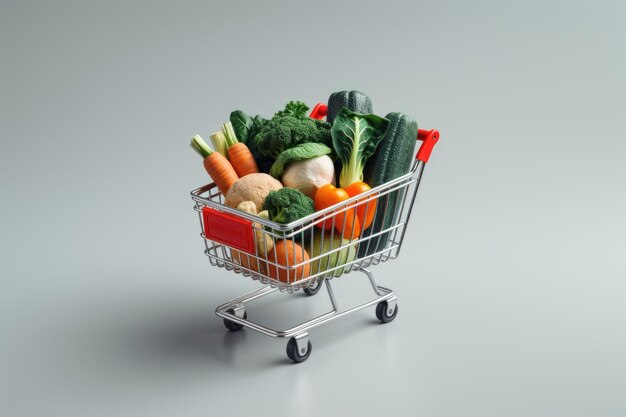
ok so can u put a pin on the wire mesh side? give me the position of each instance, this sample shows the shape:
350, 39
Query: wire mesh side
321, 247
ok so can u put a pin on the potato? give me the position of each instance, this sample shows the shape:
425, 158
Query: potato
252, 187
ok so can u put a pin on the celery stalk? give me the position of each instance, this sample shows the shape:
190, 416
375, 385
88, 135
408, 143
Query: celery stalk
199, 145
219, 143
229, 134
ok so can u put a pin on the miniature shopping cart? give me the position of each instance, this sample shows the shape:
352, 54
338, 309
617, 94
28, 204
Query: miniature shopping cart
246, 244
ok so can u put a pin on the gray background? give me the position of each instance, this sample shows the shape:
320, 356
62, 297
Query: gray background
511, 282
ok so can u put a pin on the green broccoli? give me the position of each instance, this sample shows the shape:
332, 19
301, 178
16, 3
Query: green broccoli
288, 128
287, 205
294, 108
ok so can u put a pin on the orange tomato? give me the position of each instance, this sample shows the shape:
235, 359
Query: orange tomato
365, 212
326, 196
346, 222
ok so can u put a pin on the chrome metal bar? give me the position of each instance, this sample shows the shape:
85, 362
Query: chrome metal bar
420, 170
351, 202
331, 295
247, 297
238, 304
372, 281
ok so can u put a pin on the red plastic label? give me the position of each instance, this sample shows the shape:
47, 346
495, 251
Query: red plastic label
228, 229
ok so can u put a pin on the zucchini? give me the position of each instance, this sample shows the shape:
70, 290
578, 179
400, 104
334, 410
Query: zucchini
353, 100
392, 159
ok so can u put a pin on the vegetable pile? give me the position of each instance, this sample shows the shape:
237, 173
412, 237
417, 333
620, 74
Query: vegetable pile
291, 166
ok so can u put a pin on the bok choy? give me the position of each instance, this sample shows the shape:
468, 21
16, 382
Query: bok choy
355, 138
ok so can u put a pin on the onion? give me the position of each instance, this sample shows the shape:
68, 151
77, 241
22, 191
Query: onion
309, 175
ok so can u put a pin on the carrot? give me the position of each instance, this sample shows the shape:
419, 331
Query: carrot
216, 165
240, 156
242, 160
221, 171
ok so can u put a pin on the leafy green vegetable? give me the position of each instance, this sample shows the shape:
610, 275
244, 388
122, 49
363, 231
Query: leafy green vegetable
287, 205
355, 137
289, 128
294, 108
257, 123
242, 123
246, 127
298, 153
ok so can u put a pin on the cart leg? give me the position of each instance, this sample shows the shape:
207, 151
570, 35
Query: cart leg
372, 281
386, 310
331, 295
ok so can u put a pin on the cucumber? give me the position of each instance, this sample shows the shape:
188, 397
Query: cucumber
392, 159
353, 100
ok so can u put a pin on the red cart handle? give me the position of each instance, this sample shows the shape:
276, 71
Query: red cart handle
319, 111
428, 137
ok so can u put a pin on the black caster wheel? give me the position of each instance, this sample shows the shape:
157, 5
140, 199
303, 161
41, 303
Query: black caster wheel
231, 325
313, 289
383, 314
292, 351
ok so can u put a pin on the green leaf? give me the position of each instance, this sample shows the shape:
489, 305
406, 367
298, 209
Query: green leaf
257, 124
355, 138
296, 109
242, 124
298, 153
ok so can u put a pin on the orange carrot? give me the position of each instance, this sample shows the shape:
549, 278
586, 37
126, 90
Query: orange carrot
240, 156
216, 165
221, 171
242, 160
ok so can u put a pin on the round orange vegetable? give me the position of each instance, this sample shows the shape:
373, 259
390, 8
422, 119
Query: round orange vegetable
365, 211
326, 196
346, 222
286, 254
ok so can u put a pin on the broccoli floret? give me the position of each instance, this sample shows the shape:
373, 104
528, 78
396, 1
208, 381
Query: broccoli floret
287, 205
294, 108
288, 128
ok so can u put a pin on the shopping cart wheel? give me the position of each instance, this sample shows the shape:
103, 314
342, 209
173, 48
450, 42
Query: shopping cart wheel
383, 314
314, 289
292, 351
231, 325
